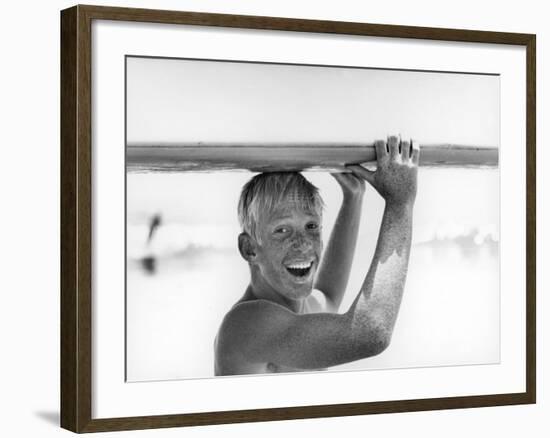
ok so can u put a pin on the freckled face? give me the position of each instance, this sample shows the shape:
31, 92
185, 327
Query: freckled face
289, 250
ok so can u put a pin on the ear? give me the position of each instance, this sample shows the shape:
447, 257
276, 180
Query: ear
247, 247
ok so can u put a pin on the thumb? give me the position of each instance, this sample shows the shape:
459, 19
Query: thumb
362, 172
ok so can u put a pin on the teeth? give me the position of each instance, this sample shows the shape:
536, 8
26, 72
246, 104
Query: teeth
300, 265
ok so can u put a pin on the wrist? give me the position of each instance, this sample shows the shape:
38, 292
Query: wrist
353, 196
400, 207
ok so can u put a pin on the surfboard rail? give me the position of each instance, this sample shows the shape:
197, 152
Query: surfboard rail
270, 157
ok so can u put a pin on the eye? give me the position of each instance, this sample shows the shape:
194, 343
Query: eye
281, 230
312, 226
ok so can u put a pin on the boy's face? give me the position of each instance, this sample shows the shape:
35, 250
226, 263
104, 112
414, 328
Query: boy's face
289, 249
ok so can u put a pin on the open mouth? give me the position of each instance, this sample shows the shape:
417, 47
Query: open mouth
299, 269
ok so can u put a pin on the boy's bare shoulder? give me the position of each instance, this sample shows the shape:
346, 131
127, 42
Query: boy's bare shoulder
246, 314
252, 326
246, 323
249, 317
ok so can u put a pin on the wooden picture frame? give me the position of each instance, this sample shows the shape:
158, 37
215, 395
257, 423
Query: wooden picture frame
76, 218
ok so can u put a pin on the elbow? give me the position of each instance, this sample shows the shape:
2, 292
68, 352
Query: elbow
380, 341
372, 333
376, 341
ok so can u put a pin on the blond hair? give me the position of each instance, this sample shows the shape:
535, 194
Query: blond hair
265, 191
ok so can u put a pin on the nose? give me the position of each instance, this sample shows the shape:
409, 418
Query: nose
301, 242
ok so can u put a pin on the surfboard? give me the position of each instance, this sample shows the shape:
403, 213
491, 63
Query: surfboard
271, 157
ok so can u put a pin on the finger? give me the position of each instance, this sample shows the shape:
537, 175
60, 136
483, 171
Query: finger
405, 150
393, 145
343, 179
415, 152
381, 151
338, 176
362, 172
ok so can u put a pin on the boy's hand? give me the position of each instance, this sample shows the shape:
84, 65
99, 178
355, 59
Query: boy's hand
352, 185
396, 170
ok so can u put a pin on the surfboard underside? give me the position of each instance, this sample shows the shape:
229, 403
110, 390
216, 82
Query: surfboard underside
272, 158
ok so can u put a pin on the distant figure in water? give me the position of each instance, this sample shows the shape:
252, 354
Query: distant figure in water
149, 262
278, 325
153, 225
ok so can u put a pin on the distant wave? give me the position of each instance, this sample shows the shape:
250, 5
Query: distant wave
469, 243
179, 240
176, 240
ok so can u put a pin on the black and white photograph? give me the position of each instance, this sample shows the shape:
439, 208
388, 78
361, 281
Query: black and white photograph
285, 218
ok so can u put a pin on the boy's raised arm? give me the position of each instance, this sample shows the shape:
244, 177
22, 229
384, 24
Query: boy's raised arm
395, 179
333, 275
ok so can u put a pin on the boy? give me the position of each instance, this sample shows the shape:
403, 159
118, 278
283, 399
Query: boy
278, 326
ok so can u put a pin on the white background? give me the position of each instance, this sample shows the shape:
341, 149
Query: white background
29, 319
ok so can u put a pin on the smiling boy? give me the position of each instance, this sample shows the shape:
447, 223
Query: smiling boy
278, 325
